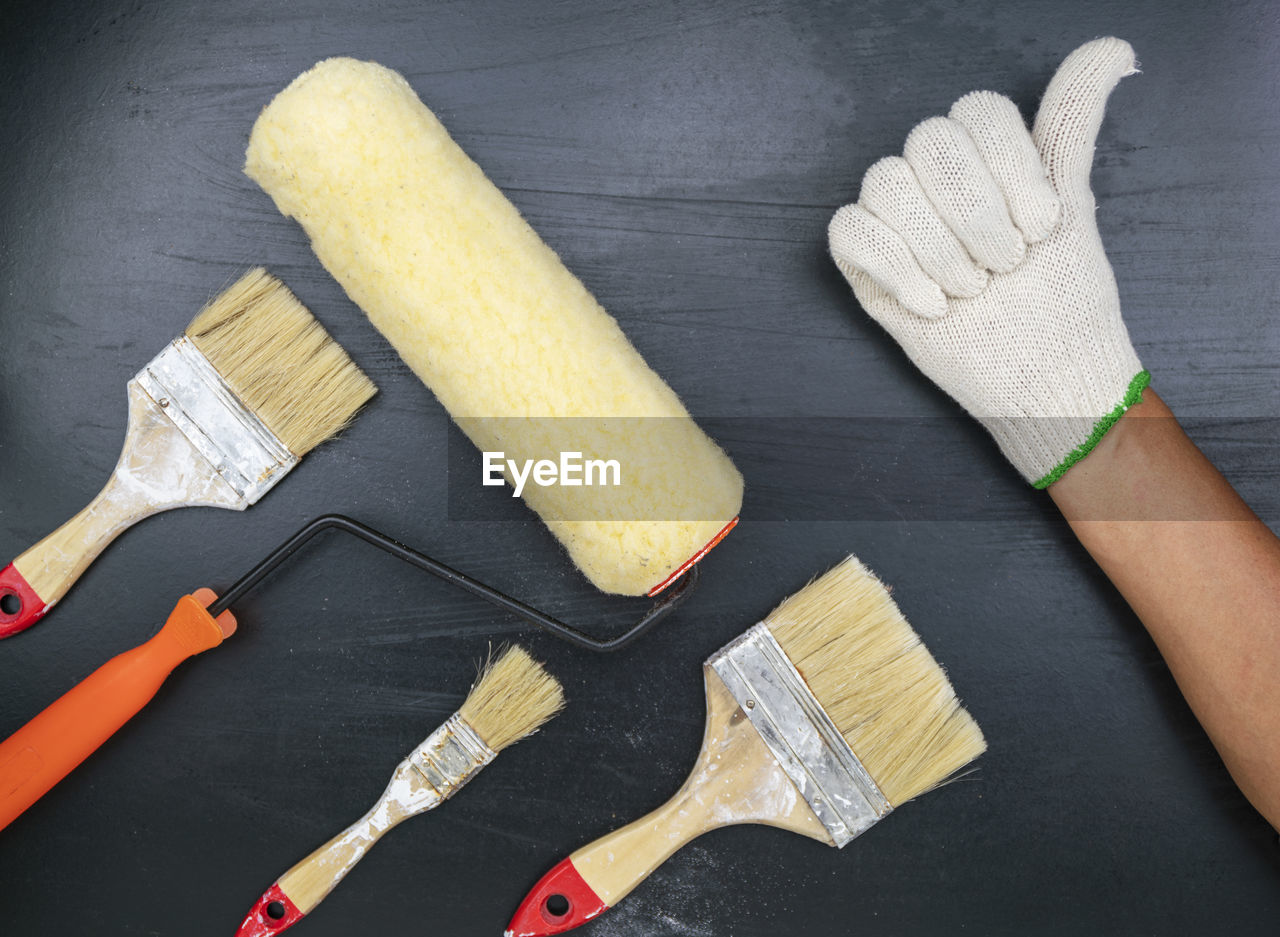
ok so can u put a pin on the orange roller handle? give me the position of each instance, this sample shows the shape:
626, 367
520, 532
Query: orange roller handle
47, 748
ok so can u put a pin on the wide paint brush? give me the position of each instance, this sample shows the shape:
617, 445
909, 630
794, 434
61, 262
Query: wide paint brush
215, 420
510, 700
820, 720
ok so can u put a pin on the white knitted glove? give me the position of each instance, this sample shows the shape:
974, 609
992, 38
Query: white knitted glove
978, 250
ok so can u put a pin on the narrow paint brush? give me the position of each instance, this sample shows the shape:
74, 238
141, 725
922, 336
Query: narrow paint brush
509, 701
820, 720
215, 420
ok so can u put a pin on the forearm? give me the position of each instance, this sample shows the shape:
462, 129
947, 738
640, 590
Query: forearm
1201, 571
978, 250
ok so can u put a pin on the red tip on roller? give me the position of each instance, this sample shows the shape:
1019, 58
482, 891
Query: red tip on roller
20, 607
273, 913
693, 559
561, 901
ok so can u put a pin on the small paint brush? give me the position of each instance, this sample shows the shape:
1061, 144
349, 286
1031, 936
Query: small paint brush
509, 701
820, 720
215, 420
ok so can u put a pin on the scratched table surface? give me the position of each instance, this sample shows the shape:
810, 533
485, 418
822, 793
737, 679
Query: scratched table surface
683, 159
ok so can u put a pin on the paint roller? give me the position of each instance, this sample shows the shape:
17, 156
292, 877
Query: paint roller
520, 353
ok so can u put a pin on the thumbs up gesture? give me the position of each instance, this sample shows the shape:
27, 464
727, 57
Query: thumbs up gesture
979, 252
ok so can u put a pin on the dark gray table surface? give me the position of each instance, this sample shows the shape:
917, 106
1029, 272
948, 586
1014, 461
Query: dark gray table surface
683, 159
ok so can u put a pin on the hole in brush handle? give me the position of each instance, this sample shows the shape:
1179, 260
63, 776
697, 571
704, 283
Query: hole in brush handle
20, 605
556, 908
560, 901
272, 913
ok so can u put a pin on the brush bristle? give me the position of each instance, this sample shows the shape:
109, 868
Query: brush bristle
511, 698
877, 681
280, 361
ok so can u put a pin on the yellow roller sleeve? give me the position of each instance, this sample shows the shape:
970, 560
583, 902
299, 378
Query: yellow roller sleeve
484, 312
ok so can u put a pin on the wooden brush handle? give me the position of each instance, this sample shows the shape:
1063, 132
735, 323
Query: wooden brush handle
56, 562
305, 885
158, 469
735, 780
47, 748
308, 882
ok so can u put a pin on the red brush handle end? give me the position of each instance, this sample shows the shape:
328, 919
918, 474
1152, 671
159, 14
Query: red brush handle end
561, 901
273, 913
20, 607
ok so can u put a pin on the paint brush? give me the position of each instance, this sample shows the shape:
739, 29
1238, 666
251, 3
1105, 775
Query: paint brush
508, 702
820, 720
215, 420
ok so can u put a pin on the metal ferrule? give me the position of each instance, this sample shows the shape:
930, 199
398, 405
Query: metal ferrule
230, 436
450, 756
808, 746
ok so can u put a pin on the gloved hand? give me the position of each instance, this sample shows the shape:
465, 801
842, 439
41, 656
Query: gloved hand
979, 252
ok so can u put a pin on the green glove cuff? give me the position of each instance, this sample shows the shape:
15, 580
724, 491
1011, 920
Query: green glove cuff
1140, 382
